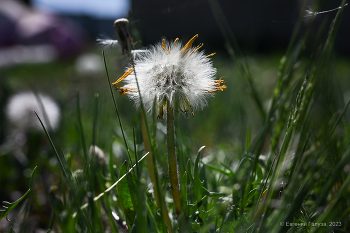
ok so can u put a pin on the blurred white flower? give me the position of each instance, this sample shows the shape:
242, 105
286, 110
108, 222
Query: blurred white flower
27, 54
168, 72
88, 63
20, 111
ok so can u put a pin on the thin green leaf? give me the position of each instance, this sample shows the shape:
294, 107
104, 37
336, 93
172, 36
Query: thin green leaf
9, 206
198, 184
67, 174
115, 103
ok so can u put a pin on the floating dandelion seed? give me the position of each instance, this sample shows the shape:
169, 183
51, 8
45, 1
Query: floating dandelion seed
168, 72
310, 15
107, 42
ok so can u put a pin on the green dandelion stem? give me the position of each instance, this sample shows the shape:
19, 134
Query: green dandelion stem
174, 182
152, 173
151, 161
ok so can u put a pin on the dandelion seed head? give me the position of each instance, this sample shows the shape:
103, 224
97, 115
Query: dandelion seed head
20, 111
168, 72
122, 30
121, 21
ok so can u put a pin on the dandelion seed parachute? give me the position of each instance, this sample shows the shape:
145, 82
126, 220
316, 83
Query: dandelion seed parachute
311, 15
182, 76
107, 42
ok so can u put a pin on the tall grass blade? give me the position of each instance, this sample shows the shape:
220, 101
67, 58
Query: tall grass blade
81, 129
115, 103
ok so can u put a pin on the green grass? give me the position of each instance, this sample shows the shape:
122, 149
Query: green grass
276, 156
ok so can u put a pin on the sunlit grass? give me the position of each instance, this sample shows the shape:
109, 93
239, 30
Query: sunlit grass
276, 149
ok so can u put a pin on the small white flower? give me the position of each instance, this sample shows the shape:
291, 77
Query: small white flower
170, 73
21, 107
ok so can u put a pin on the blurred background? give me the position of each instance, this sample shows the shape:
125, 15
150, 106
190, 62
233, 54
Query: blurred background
49, 59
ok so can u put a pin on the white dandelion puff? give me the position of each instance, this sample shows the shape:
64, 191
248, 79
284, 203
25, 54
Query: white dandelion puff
20, 111
184, 77
138, 52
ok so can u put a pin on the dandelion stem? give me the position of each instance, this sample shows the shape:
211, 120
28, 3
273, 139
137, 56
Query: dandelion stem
174, 182
152, 173
151, 161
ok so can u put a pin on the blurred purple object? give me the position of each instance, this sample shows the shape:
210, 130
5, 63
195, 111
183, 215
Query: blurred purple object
21, 25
